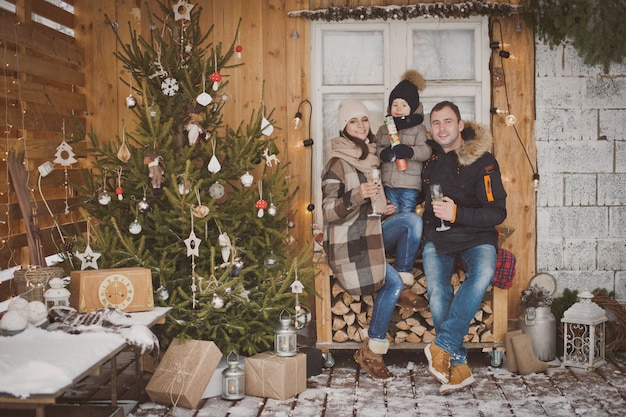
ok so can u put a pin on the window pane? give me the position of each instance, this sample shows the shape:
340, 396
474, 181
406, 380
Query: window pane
330, 108
467, 107
444, 54
352, 57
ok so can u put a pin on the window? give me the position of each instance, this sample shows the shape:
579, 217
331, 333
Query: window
366, 60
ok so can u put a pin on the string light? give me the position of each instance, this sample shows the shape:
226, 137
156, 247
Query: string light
305, 143
510, 119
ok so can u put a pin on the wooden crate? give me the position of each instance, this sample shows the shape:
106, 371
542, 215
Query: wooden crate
496, 298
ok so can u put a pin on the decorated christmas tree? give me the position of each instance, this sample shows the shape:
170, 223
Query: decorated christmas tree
203, 205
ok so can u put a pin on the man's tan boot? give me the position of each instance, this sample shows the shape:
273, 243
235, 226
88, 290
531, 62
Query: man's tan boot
370, 357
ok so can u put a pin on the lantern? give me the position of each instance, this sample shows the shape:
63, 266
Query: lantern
285, 337
233, 379
583, 333
57, 294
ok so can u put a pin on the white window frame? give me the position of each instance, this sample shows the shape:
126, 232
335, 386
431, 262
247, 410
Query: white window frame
397, 44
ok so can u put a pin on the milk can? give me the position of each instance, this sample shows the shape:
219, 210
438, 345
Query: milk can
540, 323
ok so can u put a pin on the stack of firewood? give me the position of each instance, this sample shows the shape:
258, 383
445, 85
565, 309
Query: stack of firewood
351, 314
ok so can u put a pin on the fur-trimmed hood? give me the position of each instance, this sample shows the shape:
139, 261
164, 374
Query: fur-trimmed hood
478, 141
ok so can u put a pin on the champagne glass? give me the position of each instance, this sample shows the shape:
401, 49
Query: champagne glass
374, 178
437, 195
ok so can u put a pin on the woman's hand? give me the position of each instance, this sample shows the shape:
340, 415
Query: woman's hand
390, 209
368, 189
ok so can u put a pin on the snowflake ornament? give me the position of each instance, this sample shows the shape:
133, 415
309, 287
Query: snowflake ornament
169, 86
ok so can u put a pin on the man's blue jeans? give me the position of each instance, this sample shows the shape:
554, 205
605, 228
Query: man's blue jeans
404, 232
452, 313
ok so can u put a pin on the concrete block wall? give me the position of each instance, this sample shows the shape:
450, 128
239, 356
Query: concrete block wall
580, 131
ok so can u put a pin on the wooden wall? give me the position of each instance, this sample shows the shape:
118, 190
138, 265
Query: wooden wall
277, 70
44, 89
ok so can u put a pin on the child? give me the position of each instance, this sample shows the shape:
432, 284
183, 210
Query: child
403, 187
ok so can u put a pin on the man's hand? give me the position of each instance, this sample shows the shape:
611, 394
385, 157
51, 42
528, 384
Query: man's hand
444, 209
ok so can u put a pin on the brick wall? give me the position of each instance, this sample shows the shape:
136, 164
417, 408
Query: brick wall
580, 131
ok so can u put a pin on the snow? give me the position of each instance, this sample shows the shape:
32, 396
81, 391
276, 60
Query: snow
38, 361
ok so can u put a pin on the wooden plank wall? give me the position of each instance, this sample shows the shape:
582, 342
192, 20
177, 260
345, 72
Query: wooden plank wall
44, 88
276, 73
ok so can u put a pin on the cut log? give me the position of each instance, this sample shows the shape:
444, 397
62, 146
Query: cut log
339, 308
340, 336
338, 323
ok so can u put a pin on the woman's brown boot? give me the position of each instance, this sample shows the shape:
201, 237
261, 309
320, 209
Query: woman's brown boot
370, 357
409, 299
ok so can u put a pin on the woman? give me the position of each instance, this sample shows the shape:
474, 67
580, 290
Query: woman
355, 242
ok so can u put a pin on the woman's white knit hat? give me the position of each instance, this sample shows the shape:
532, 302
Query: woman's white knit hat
349, 109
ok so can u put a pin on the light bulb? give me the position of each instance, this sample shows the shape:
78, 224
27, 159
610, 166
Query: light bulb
510, 120
304, 143
535, 182
495, 110
297, 121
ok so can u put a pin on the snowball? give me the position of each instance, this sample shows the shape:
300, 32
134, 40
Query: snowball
14, 320
37, 312
18, 303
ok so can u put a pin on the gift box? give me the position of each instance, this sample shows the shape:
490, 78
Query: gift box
278, 377
214, 388
184, 373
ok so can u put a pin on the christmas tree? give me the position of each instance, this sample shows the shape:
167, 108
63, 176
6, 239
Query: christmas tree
203, 205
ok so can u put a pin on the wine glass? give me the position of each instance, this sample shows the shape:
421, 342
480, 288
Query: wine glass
437, 195
374, 178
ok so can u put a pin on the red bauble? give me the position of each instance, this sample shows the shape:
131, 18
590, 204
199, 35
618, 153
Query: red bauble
238, 48
261, 204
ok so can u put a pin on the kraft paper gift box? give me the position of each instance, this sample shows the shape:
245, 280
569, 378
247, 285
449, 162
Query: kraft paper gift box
278, 377
184, 373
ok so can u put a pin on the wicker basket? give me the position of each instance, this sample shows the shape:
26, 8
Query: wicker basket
33, 282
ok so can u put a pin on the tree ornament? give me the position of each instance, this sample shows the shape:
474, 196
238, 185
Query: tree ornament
135, 227
162, 293
184, 187
216, 77
266, 127
226, 245
104, 198
303, 313
88, 258
123, 153
238, 49
272, 210
155, 172
65, 155
131, 103
182, 10
270, 159
118, 190
216, 190
143, 205
261, 204
194, 130
200, 210
169, 86
204, 98
214, 164
193, 244
247, 179
217, 301
271, 261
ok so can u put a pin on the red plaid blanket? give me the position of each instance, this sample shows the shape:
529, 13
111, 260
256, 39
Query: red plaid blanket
505, 269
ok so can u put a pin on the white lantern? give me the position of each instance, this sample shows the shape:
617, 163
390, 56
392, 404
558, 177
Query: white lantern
57, 294
285, 337
233, 379
584, 333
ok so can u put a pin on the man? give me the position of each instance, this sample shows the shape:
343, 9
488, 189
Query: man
474, 203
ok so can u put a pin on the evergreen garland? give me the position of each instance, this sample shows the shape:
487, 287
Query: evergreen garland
594, 27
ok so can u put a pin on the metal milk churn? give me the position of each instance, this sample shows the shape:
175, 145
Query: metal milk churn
540, 323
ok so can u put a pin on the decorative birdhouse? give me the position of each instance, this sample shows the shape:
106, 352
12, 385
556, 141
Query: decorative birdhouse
584, 333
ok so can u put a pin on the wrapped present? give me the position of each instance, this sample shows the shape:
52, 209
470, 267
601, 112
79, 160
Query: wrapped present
184, 373
278, 377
